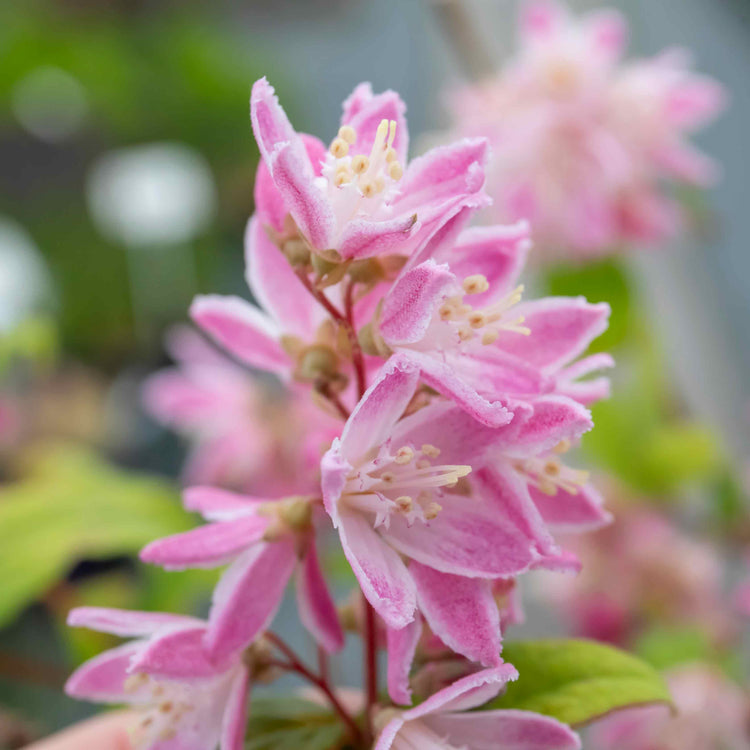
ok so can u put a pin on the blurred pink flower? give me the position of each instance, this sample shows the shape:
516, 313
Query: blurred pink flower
585, 144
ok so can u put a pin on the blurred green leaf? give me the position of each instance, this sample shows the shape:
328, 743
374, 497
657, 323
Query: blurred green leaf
665, 647
34, 340
287, 723
73, 506
577, 681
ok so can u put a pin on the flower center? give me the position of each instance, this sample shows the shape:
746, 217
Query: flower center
488, 322
405, 482
549, 473
163, 709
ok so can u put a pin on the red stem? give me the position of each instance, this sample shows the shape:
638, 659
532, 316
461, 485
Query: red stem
320, 682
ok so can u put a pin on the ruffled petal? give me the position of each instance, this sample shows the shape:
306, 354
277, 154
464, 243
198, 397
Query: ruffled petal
248, 596
402, 645
461, 611
243, 330
287, 160
206, 546
364, 238
565, 511
315, 604
384, 579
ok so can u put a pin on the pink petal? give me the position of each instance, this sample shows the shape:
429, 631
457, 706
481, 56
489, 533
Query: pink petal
694, 102
469, 537
364, 238
413, 301
172, 398
462, 612
402, 645
126, 623
234, 722
364, 110
607, 32
506, 729
206, 546
335, 470
270, 207
443, 378
439, 246
564, 511
541, 19
248, 596
561, 330
243, 330
389, 734
586, 392
102, 678
443, 173
384, 579
219, 505
466, 693
275, 285
372, 420
316, 607
287, 160
178, 655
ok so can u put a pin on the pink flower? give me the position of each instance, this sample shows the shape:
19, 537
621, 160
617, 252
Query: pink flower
389, 484
357, 198
186, 700
583, 142
245, 435
265, 542
445, 722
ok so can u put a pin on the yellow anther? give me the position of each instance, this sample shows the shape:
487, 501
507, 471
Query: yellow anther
423, 463
339, 148
387, 476
477, 320
360, 164
391, 155
464, 334
447, 312
395, 170
404, 503
430, 450
562, 447
380, 183
134, 682
433, 509
391, 134
368, 188
404, 455
490, 337
348, 133
475, 284
342, 178
552, 468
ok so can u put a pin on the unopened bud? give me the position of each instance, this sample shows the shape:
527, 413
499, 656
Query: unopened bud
317, 362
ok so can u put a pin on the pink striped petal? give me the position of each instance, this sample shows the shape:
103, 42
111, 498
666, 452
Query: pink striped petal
381, 573
248, 596
102, 679
206, 546
564, 511
275, 285
287, 160
315, 604
364, 238
461, 611
504, 730
126, 623
243, 330
402, 645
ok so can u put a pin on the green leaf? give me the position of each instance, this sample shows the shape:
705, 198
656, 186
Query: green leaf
73, 506
286, 723
577, 681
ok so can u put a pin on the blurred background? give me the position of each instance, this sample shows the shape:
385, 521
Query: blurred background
128, 166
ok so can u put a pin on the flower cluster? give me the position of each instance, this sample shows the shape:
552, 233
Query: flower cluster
426, 416
585, 144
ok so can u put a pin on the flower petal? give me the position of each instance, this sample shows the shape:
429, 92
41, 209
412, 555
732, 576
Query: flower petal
402, 645
469, 537
206, 546
219, 505
126, 623
287, 160
564, 511
243, 330
561, 330
234, 722
363, 238
102, 679
461, 611
508, 729
247, 596
586, 392
466, 693
384, 579
316, 607
413, 300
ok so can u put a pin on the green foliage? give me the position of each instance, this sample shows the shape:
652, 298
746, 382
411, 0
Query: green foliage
577, 681
33, 341
73, 506
665, 647
290, 724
